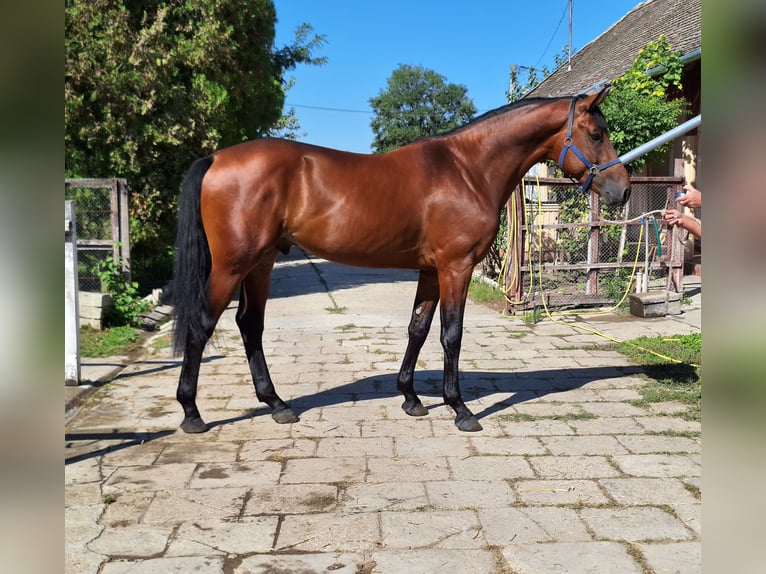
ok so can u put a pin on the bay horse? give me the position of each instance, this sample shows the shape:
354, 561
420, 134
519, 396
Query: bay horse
432, 205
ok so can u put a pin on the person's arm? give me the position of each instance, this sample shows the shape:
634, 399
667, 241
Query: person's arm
675, 217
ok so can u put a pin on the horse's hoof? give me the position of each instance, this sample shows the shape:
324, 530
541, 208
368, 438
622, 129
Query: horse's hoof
193, 426
416, 410
284, 416
468, 424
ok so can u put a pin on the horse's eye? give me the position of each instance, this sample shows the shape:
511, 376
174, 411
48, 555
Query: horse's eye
596, 137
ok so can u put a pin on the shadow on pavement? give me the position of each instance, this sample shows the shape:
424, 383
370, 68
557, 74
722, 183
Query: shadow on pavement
521, 387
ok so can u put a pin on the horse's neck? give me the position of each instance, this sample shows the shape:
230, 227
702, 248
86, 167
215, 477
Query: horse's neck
511, 143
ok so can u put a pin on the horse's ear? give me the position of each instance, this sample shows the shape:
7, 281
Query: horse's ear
601, 96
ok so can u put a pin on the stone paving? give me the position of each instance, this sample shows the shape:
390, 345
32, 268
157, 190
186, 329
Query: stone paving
568, 476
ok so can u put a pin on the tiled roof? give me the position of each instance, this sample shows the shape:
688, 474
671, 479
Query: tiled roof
614, 51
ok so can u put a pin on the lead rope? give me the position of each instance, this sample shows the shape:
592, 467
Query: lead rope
540, 276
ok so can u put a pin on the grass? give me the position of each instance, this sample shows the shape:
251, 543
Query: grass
483, 292
115, 341
678, 380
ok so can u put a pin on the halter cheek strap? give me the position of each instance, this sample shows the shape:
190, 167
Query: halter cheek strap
593, 169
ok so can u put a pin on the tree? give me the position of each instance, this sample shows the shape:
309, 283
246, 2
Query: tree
150, 86
416, 103
517, 89
642, 106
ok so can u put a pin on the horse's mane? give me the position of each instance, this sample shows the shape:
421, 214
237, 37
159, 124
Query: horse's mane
513, 106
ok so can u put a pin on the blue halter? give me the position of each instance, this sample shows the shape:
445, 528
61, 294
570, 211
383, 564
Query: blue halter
568, 144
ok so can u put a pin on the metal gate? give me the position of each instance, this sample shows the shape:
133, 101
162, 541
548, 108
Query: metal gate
102, 226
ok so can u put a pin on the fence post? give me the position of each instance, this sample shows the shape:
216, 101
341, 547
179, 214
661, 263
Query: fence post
677, 253
124, 227
71, 302
594, 245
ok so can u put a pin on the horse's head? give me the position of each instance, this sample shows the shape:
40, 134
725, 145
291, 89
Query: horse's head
586, 153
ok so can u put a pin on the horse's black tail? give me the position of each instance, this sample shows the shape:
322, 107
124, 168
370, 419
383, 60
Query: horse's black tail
192, 263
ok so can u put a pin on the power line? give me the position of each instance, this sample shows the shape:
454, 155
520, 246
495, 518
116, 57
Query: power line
563, 14
325, 109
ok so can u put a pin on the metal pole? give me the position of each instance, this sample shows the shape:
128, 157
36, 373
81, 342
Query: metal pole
687, 126
569, 61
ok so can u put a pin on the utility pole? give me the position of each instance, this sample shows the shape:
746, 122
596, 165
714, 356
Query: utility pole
569, 63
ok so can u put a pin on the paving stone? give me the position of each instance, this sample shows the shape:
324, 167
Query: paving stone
570, 558
330, 563
606, 425
409, 469
503, 526
187, 504
577, 466
639, 491
159, 477
180, 565
372, 497
248, 474
507, 446
126, 508
438, 561
690, 515
277, 449
432, 529
490, 468
345, 447
537, 428
613, 409
634, 524
337, 532
587, 445
420, 447
134, 540
662, 465
338, 469
676, 557
87, 471
669, 424
224, 537
560, 492
290, 499
461, 494
647, 444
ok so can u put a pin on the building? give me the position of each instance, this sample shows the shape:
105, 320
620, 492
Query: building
613, 53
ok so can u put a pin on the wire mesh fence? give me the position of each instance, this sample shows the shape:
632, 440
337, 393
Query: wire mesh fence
101, 226
559, 243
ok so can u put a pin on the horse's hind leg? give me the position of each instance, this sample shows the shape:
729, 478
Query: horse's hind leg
220, 289
252, 305
426, 298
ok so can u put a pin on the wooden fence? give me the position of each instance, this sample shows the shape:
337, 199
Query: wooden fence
574, 251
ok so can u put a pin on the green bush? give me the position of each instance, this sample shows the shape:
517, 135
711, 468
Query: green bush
127, 303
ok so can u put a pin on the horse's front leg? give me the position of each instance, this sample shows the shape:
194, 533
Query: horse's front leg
426, 298
454, 290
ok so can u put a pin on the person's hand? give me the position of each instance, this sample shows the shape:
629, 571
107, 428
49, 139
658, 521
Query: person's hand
692, 198
673, 217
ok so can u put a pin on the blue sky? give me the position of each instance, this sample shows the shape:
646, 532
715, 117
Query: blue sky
472, 43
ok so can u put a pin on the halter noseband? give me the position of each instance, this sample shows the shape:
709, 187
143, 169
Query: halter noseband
569, 144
